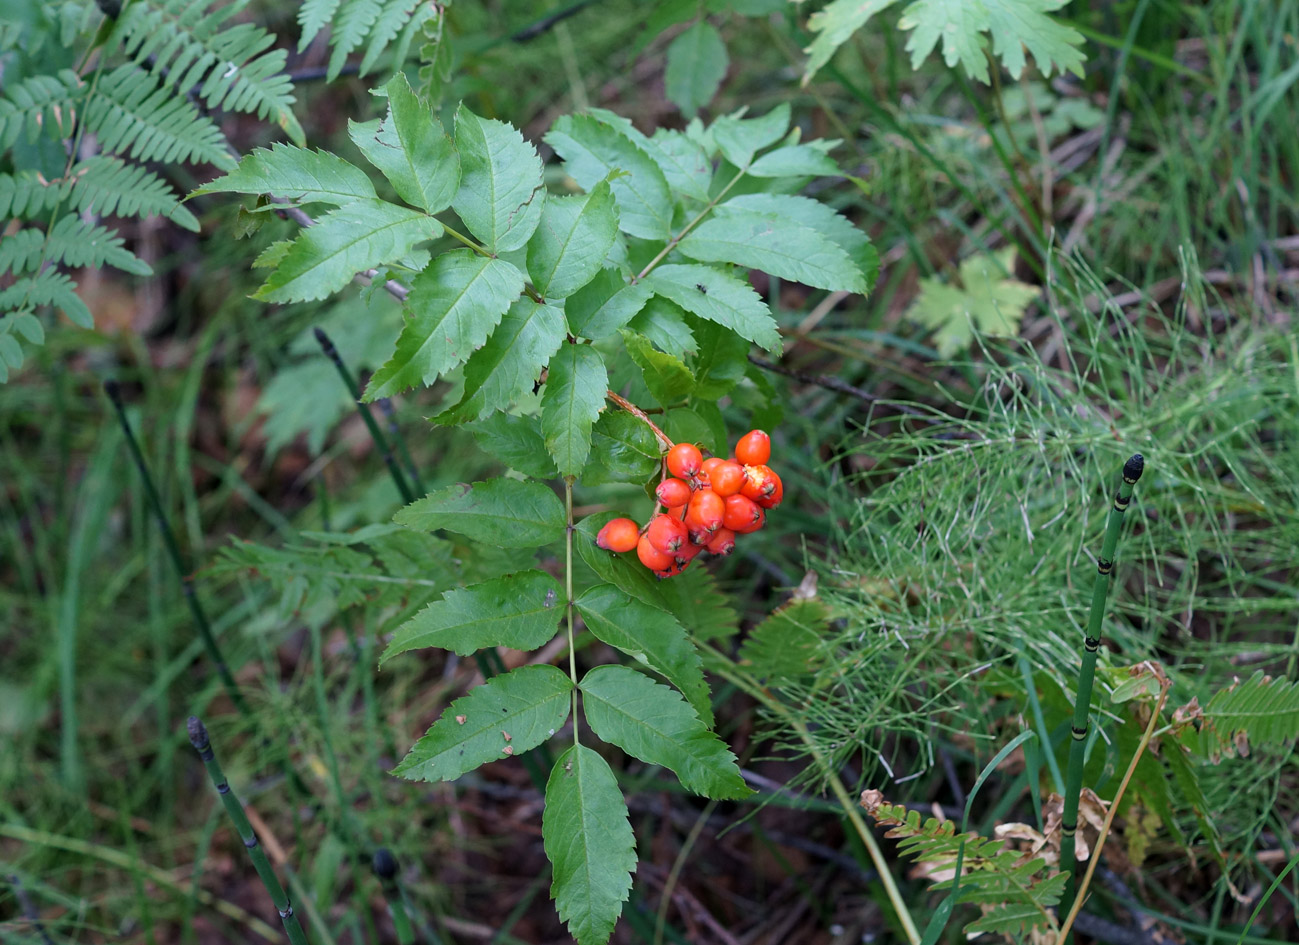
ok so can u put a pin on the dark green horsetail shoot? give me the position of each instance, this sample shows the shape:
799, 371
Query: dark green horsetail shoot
184, 572
384, 865
198, 737
376, 434
1087, 672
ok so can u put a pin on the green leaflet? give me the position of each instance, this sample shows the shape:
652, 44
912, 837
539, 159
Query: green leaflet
518, 610
411, 149
696, 65
814, 215
834, 26
667, 378
653, 723
353, 238
589, 843
795, 160
604, 305
509, 363
571, 401
295, 174
516, 442
740, 138
723, 299
664, 323
650, 635
623, 449
593, 149
501, 191
624, 570
683, 162
571, 241
508, 513
777, 246
986, 301
454, 304
720, 360
506, 715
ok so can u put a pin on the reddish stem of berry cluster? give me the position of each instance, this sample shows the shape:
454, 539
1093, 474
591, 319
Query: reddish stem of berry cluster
706, 502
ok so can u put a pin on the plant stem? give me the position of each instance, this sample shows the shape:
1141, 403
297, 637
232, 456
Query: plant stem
384, 865
1114, 809
640, 415
394, 431
1086, 674
183, 572
672, 243
568, 593
198, 737
732, 674
394, 470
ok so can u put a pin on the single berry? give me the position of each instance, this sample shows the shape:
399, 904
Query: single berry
710, 464
685, 460
772, 499
665, 533
759, 481
754, 448
727, 478
650, 556
705, 513
741, 514
621, 534
723, 542
687, 552
672, 570
673, 493
757, 524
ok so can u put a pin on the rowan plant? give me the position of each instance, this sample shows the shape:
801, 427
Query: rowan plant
560, 315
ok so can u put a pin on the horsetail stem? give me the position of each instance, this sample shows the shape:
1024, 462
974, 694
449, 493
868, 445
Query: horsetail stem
183, 573
384, 865
1087, 672
381, 441
408, 463
198, 737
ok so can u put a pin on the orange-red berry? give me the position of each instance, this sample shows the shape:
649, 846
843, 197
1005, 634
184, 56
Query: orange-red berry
651, 557
685, 460
621, 534
727, 478
773, 498
741, 514
723, 542
688, 551
704, 514
673, 493
759, 481
710, 464
754, 448
672, 570
666, 533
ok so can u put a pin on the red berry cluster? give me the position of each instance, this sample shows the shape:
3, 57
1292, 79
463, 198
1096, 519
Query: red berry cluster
707, 502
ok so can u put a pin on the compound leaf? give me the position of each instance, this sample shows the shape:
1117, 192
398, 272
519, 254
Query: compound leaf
986, 301
505, 715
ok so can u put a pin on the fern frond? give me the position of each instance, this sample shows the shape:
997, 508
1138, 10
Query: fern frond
42, 101
188, 45
392, 18
1259, 711
112, 187
350, 30
49, 287
73, 242
313, 16
132, 114
26, 194
1012, 890
21, 251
